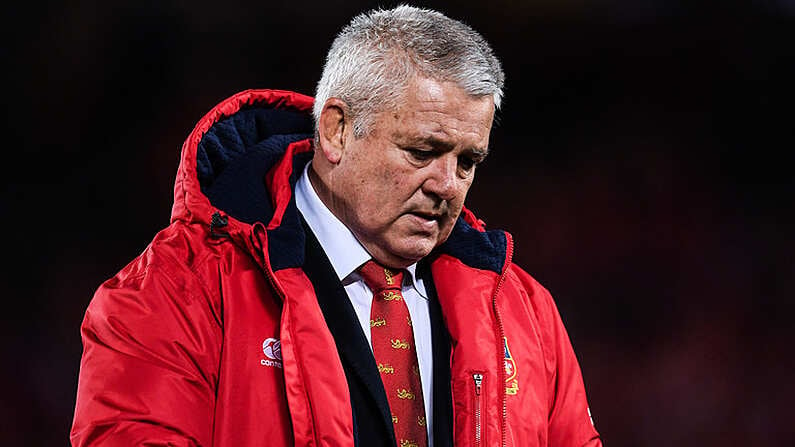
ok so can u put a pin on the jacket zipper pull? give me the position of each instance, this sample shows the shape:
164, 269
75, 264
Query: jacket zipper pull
478, 382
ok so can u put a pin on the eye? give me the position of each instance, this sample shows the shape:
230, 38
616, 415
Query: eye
466, 163
419, 154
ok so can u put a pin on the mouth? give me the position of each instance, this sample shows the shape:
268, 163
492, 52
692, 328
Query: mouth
428, 215
426, 220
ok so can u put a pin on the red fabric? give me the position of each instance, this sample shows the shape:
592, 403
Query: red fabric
278, 184
173, 344
396, 354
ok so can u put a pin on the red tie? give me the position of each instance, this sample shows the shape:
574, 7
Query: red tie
395, 354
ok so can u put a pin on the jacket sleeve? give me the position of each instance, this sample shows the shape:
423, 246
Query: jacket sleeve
151, 349
570, 423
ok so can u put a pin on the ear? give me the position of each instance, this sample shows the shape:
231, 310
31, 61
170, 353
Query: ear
332, 129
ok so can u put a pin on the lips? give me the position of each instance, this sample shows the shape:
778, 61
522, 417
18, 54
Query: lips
427, 222
428, 215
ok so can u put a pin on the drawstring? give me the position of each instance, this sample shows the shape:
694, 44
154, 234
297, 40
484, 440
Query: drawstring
218, 221
255, 244
255, 238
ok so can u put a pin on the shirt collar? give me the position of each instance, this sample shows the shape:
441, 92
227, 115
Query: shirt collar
341, 246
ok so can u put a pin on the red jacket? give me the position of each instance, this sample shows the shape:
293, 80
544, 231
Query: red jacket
213, 336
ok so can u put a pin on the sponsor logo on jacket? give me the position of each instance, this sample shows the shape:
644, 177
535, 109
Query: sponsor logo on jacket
272, 348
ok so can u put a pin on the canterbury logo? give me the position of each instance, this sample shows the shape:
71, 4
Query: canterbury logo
272, 348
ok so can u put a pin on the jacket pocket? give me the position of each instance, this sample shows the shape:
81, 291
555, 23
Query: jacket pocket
478, 410
470, 415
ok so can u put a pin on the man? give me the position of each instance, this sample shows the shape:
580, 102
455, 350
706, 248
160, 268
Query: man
332, 290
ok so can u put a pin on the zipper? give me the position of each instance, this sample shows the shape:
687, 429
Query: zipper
478, 379
501, 329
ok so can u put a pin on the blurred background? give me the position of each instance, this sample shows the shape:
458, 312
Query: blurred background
643, 161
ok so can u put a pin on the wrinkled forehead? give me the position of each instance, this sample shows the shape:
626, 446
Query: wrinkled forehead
442, 112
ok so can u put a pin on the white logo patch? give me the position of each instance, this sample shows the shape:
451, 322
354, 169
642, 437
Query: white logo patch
272, 348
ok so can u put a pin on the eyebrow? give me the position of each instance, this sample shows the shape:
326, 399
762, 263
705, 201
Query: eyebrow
436, 142
480, 154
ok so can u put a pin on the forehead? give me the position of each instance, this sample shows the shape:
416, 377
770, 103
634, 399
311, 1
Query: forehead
443, 112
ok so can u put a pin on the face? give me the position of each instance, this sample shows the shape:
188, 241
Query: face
401, 188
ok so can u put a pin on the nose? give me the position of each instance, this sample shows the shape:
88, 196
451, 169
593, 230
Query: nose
442, 180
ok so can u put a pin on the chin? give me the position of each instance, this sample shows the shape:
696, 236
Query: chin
416, 251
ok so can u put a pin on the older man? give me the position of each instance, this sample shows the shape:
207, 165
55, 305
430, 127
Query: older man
330, 289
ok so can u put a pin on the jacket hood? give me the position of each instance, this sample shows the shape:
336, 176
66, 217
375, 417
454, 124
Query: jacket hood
238, 169
227, 155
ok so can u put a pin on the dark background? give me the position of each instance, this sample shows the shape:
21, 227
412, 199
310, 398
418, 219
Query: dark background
642, 160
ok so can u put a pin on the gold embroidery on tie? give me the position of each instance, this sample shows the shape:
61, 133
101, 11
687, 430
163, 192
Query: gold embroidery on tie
394, 419
388, 274
408, 443
415, 369
378, 322
391, 296
408, 320
399, 344
405, 394
421, 421
386, 369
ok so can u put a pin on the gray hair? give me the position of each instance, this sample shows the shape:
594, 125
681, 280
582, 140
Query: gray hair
379, 52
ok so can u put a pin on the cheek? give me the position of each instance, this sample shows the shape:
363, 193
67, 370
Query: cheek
467, 185
396, 184
401, 186
461, 195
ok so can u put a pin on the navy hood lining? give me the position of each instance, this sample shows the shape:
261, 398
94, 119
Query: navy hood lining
483, 250
234, 155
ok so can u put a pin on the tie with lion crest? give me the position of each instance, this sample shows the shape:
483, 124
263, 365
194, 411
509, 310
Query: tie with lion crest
395, 353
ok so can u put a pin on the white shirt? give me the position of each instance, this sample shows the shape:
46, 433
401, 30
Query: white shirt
347, 255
